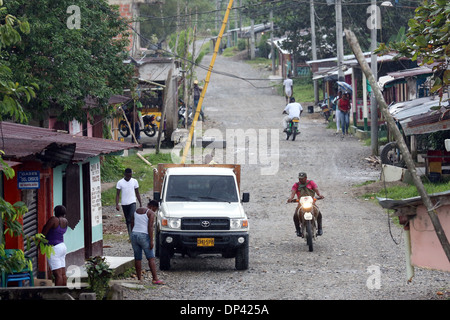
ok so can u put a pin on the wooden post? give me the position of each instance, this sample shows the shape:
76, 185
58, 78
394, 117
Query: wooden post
167, 95
353, 42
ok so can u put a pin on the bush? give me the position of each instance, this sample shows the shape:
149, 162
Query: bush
242, 44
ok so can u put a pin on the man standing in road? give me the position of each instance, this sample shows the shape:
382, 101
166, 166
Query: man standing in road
293, 110
197, 92
288, 85
129, 187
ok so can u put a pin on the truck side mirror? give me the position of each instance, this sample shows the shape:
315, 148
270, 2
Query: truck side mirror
157, 196
245, 197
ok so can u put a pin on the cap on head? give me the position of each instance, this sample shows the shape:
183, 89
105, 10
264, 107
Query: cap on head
195, 81
292, 99
302, 175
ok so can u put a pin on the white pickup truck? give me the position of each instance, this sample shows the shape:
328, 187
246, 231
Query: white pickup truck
200, 212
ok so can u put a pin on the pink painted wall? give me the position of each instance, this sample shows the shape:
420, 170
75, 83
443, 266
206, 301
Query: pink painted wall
426, 249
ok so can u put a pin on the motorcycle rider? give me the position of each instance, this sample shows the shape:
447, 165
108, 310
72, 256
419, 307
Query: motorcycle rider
305, 187
293, 110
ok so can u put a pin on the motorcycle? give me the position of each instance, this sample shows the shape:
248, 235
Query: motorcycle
292, 128
150, 128
182, 114
325, 111
308, 213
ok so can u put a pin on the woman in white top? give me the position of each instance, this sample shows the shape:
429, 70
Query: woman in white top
142, 239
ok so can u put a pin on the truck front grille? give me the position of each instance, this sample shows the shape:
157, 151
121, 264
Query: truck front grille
205, 224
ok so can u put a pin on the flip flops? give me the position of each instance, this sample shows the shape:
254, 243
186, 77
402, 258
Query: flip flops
158, 282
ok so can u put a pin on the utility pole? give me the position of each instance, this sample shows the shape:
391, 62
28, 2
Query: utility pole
252, 40
185, 54
374, 24
339, 40
272, 50
313, 47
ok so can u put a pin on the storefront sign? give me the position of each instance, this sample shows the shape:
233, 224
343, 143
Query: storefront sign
28, 180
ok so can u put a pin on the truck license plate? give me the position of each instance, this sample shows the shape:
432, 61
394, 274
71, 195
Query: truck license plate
205, 242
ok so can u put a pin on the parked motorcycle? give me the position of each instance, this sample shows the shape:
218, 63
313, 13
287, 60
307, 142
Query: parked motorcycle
325, 111
149, 127
182, 114
308, 213
292, 128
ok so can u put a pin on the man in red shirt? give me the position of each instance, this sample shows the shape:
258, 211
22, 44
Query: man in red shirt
305, 187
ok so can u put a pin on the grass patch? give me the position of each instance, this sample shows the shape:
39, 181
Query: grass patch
304, 91
409, 191
230, 52
365, 183
259, 61
142, 172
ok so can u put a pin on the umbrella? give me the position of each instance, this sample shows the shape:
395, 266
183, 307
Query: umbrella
344, 86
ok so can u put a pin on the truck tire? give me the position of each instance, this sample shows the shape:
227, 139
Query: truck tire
241, 260
164, 258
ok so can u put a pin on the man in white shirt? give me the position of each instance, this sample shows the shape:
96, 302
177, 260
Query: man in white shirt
288, 86
293, 110
129, 187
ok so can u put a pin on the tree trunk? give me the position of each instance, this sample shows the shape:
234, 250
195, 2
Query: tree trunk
353, 42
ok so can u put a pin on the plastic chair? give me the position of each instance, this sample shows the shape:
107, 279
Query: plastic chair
17, 276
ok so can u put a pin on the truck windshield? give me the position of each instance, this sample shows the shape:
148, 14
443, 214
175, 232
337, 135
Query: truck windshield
202, 188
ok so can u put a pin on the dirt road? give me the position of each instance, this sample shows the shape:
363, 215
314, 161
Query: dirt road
356, 258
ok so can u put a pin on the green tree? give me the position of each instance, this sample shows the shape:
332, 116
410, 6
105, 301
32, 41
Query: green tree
162, 20
72, 52
11, 95
427, 41
292, 18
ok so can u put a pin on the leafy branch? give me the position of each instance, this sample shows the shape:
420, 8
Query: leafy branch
427, 41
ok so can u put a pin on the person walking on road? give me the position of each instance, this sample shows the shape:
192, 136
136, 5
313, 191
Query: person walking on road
344, 108
128, 191
142, 239
288, 85
338, 112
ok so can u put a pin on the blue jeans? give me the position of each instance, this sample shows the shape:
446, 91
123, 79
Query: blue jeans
345, 121
141, 241
128, 212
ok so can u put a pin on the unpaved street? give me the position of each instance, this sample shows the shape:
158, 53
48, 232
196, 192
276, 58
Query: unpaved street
356, 258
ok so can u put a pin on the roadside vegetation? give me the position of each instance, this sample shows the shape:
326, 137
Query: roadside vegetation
405, 191
113, 167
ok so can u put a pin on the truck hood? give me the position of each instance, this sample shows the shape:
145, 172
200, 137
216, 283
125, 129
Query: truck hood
202, 209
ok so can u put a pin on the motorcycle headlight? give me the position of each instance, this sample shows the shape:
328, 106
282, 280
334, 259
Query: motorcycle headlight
306, 203
238, 224
173, 223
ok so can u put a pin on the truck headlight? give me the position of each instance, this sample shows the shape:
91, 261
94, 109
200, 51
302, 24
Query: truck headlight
238, 223
173, 223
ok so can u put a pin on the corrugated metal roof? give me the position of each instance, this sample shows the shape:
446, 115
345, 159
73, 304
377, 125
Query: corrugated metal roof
420, 116
421, 70
23, 142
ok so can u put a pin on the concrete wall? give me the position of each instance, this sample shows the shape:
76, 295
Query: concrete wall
427, 251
